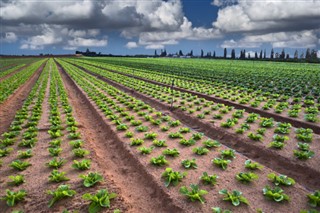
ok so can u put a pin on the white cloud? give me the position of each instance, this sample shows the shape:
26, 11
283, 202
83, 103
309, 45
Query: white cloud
9, 37
131, 45
87, 42
155, 46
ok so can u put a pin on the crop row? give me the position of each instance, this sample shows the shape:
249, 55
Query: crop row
263, 132
9, 85
174, 153
8, 71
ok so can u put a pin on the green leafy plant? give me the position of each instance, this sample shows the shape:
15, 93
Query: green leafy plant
255, 137
171, 152
209, 179
13, 197
305, 135
200, 150
76, 144
267, 122
175, 135
172, 177
189, 164
228, 153
194, 193
91, 179
63, 191
99, 200
80, 153
136, 142
211, 143
197, 136
235, 197
25, 154
252, 165
159, 161
246, 177
314, 198
16, 180
5, 151
159, 143
222, 163
142, 128
20, 165
187, 142
303, 155
57, 176
150, 135
74, 135
145, 150
219, 210
276, 194
54, 151
122, 127
56, 163
281, 180
81, 165
55, 143
129, 134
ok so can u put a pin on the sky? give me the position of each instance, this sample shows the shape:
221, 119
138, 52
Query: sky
130, 27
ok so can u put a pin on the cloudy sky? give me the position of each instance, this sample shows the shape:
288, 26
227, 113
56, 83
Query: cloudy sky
141, 26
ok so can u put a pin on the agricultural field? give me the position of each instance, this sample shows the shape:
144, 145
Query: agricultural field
159, 135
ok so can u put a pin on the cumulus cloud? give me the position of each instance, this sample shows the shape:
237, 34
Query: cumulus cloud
131, 45
9, 37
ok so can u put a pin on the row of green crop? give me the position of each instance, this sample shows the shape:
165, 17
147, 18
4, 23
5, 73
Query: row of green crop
125, 113
8, 71
9, 85
8, 63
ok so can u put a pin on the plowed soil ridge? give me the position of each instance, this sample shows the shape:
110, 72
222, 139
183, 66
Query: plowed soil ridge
277, 117
139, 189
15, 101
304, 175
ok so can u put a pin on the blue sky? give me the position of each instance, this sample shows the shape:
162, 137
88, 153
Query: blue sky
142, 26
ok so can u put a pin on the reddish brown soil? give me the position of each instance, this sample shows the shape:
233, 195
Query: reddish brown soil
299, 170
277, 117
213, 199
15, 101
14, 72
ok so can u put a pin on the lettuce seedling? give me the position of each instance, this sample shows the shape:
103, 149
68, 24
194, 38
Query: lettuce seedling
228, 153
303, 155
189, 164
252, 165
25, 154
91, 179
211, 143
172, 177
246, 177
5, 151
281, 180
222, 163
314, 198
54, 151
194, 194
20, 165
235, 197
74, 135
276, 194
99, 200
16, 180
171, 152
81, 165
159, 161
136, 142
57, 176
13, 197
200, 150
209, 179
56, 163
159, 143
219, 210
186, 142
80, 153
146, 150
61, 192
76, 144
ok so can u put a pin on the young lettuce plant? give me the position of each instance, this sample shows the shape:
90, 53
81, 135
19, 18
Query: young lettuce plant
276, 194
81, 165
219, 210
57, 176
56, 163
222, 163
281, 180
145, 150
91, 179
80, 153
314, 198
246, 177
172, 177
171, 152
16, 180
25, 154
99, 200
189, 164
159, 143
194, 194
20, 165
252, 165
200, 150
209, 179
211, 143
61, 192
235, 197
13, 197
159, 161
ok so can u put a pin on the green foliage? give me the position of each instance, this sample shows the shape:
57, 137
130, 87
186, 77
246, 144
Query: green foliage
209, 179
61, 192
305, 135
186, 142
189, 164
211, 143
228, 153
56, 163
314, 198
142, 128
5, 151
197, 136
99, 200
54, 151
219, 210
200, 150
146, 150
222, 163
57, 176
122, 127
252, 165
150, 135
16, 180
246, 177
80, 153
194, 193
74, 135
159, 143
159, 161
19, 165
25, 154
276, 194
129, 134
76, 144
175, 135
281, 180
136, 142
91, 179
171, 152
81, 165
267, 122
235, 197
13, 197
303, 155
172, 177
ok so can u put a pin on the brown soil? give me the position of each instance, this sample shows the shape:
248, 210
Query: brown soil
15, 101
228, 181
13, 72
278, 117
271, 158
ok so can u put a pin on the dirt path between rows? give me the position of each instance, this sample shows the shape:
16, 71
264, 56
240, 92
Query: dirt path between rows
14, 72
15, 101
303, 174
277, 117
137, 186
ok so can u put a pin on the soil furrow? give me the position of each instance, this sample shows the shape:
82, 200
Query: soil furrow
277, 117
304, 175
15, 101
139, 189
